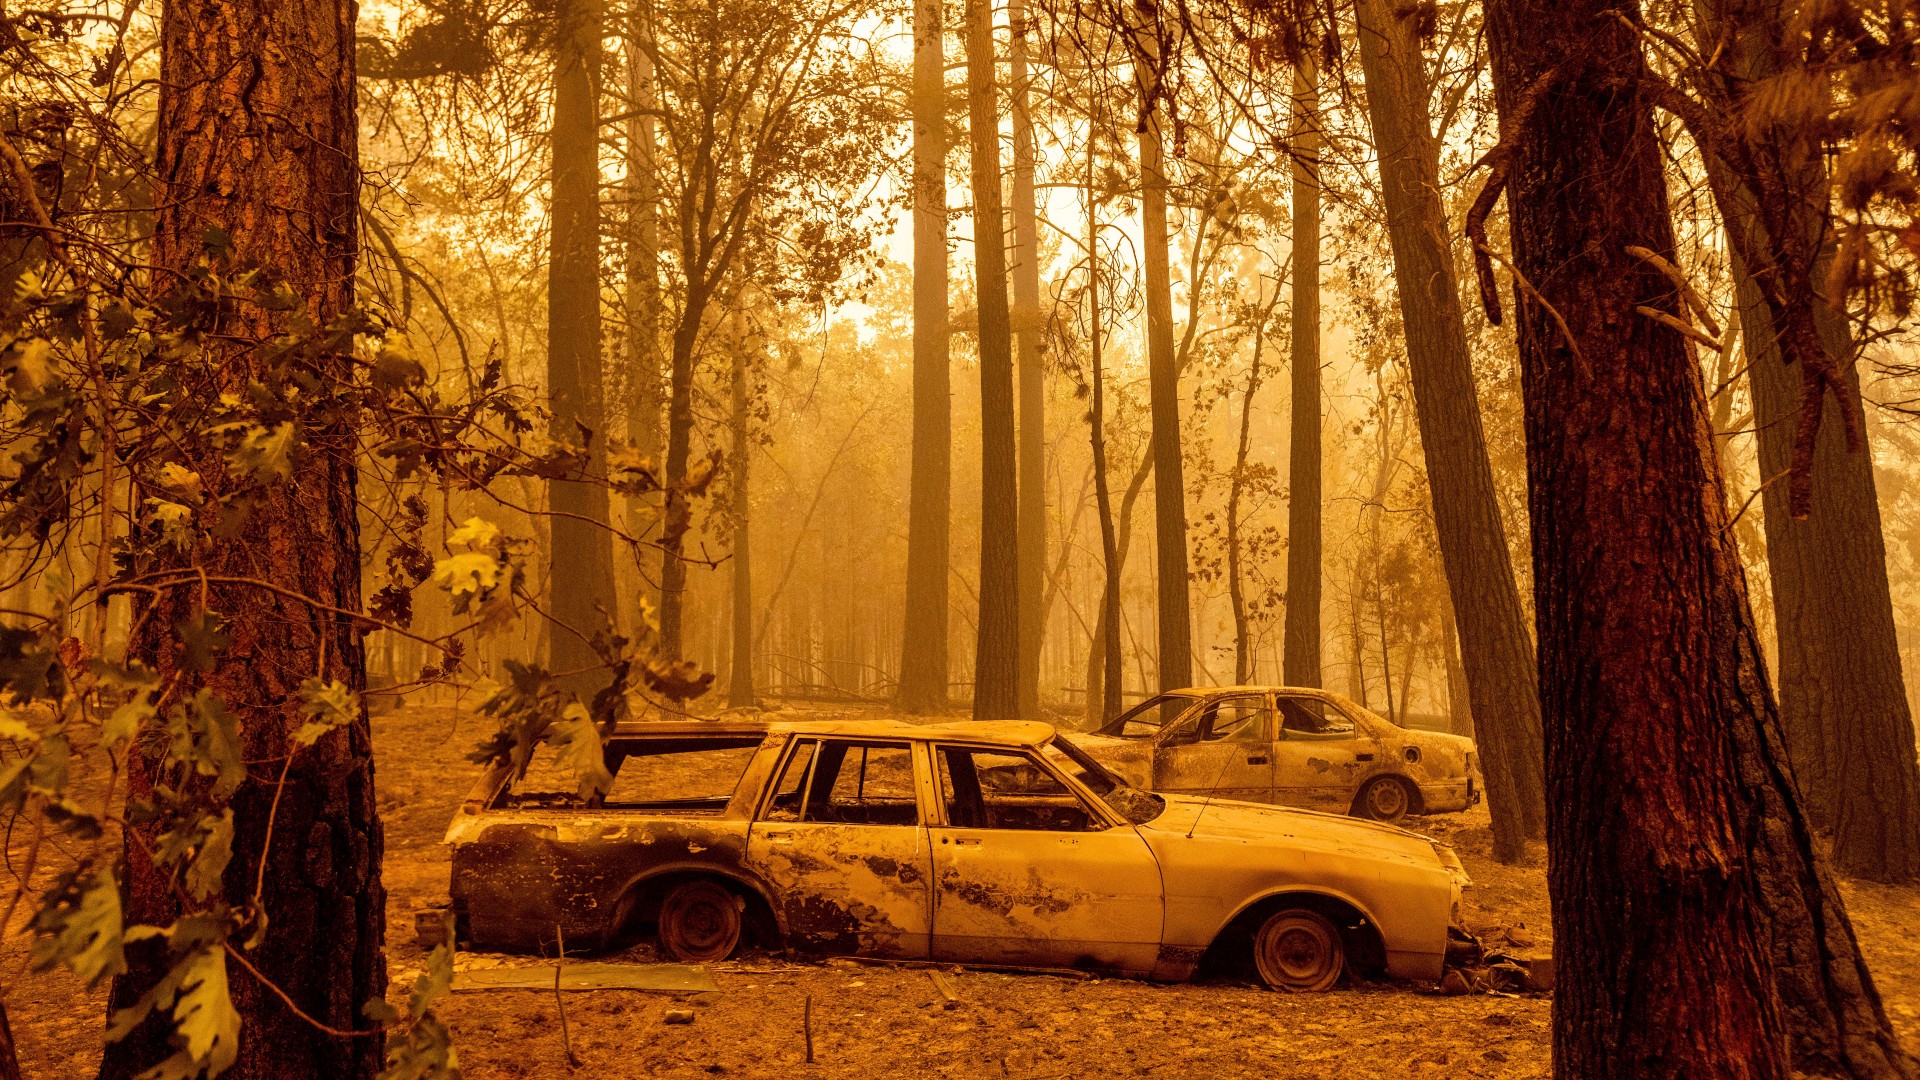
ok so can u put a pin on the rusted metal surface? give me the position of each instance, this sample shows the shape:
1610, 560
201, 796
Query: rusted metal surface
989, 844
1242, 743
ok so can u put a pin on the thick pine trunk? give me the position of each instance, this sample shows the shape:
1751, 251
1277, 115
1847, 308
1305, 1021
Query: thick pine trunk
257, 138
1163, 367
1495, 648
580, 551
1028, 340
1696, 929
923, 646
740, 693
996, 653
1300, 648
1843, 700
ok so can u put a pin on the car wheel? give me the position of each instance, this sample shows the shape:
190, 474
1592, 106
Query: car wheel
1299, 950
1385, 798
699, 922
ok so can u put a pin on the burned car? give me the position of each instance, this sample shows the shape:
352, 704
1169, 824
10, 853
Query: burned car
987, 843
1290, 746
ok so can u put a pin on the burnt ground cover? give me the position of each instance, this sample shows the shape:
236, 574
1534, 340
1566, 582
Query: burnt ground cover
888, 1021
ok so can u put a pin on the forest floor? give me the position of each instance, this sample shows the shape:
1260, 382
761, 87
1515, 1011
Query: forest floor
874, 1021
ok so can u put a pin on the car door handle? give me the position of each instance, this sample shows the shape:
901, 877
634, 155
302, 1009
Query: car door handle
964, 841
782, 837
1257, 759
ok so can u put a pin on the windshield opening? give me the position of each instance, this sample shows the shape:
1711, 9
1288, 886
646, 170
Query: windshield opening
1145, 719
1135, 806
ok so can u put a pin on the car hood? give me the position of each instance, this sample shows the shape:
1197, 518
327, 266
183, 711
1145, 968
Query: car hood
1305, 830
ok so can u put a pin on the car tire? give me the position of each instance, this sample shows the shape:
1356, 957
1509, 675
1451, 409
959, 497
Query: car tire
1384, 798
700, 922
1299, 950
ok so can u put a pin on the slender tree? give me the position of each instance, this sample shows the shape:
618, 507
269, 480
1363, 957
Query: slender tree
1028, 339
996, 655
923, 650
9, 1058
580, 552
1300, 648
740, 669
258, 150
646, 385
1696, 927
1163, 367
1495, 647
1103, 692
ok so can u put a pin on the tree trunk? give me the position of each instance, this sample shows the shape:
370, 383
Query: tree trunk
1300, 650
1163, 371
284, 186
1495, 647
923, 645
1031, 368
9, 1057
645, 398
581, 544
1696, 928
1459, 705
1843, 701
740, 693
1106, 645
996, 654
1242, 634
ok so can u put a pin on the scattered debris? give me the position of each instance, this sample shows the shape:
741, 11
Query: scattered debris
657, 978
678, 1016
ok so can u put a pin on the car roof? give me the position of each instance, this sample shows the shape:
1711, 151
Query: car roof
1209, 691
1005, 732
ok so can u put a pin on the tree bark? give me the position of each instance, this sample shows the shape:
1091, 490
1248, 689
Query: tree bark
1163, 369
740, 692
923, 648
1696, 928
1300, 647
1496, 650
258, 138
996, 654
580, 552
1031, 370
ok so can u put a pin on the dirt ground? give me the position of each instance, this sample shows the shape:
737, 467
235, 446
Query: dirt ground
881, 1021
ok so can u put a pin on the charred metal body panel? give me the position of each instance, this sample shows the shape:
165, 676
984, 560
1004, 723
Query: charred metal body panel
1288, 746
973, 843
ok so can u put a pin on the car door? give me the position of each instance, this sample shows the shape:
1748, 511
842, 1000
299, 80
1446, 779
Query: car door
1223, 749
840, 838
1319, 756
1028, 871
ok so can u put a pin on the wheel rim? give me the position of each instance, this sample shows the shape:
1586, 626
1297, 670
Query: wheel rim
1299, 950
699, 921
1386, 800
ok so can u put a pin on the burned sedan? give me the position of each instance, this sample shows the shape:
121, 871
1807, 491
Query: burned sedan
1289, 746
985, 843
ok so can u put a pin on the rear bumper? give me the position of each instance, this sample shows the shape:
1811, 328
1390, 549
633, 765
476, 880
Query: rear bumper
1449, 796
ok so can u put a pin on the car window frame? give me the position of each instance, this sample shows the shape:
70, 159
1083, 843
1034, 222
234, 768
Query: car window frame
924, 806
1361, 730
1119, 723
1095, 806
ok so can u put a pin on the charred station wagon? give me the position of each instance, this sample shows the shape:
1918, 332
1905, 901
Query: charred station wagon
985, 843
